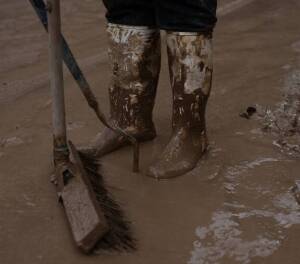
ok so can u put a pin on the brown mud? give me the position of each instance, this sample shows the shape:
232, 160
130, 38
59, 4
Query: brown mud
235, 207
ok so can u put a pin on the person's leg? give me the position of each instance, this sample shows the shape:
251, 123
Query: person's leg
134, 54
131, 12
186, 16
190, 65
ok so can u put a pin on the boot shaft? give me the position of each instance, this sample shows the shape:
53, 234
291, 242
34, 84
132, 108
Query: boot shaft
191, 68
134, 54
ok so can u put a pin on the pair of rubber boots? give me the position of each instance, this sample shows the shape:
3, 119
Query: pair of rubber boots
135, 59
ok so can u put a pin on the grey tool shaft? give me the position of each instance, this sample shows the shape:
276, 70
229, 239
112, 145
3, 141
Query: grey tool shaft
56, 79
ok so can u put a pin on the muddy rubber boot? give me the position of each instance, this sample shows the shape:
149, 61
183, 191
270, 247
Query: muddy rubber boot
134, 54
190, 65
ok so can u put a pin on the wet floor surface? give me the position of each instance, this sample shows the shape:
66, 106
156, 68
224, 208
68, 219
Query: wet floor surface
235, 207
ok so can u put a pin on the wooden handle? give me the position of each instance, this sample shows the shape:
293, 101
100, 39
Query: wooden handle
56, 80
69, 59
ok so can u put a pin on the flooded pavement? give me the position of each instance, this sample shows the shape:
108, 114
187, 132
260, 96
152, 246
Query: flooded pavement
254, 219
238, 206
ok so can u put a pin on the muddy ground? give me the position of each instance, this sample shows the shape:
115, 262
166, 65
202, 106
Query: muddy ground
235, 207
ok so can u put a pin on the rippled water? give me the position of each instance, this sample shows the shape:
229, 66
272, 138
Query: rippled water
251, 222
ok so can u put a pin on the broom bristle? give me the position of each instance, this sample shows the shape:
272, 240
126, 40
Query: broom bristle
119, 236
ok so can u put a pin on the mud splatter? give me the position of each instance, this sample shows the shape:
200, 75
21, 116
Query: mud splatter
134, 54
194, 66
11, 142
75, 125
190, 67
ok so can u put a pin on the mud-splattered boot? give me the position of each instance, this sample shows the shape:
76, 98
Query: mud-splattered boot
134, 54
190, 65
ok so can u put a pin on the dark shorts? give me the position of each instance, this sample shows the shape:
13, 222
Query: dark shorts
173, 15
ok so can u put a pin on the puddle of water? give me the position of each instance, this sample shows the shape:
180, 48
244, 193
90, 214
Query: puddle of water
232, 172
253, 220
224, 237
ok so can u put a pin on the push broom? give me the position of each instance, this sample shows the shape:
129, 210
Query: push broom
96, 220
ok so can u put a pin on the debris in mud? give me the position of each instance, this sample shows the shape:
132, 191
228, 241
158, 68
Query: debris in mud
244, 115
11, 142
290, 146
296, 191
75, 125
284, 120
251, 110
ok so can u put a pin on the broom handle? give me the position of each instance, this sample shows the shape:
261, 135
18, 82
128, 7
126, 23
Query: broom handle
84, 86
56, 82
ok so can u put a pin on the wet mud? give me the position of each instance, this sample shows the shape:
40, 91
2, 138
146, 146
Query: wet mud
240, 203
283, 120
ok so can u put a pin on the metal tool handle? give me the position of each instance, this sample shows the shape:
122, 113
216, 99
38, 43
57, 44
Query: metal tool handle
56, 82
